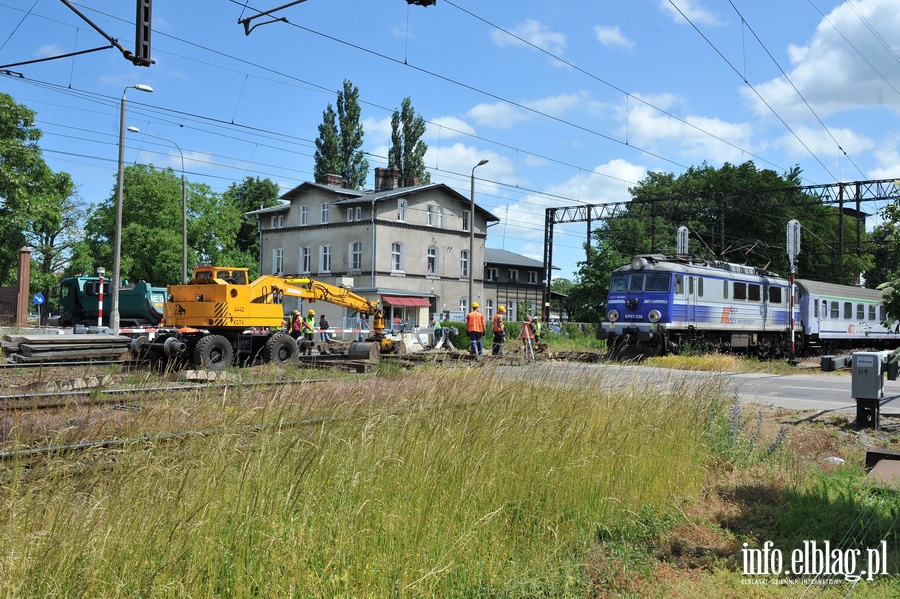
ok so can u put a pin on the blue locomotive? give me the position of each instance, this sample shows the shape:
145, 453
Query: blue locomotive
662, 304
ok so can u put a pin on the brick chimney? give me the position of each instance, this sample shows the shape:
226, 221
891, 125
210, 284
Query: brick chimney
334, 180
387, 178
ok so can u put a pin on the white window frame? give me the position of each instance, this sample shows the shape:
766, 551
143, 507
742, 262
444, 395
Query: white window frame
274, 221
466, 220
401, 210
489, 310
440, 217
306, 259
355, 254
429, 216
464, 304
464, 263
325, 259
350, 215
359, 213
324, 214
493, 274
278, 260
397, 257
532, 277
512, 275
432, 260
304, 216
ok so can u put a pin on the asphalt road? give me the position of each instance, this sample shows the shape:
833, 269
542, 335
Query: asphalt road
806, 392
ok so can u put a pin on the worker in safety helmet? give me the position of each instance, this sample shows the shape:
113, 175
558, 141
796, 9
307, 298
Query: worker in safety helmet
499, 333
308, 326
475, 329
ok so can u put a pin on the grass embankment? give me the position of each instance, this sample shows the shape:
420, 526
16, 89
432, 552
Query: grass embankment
436, 484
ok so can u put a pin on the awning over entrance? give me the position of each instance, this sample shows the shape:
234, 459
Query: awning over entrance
405, 301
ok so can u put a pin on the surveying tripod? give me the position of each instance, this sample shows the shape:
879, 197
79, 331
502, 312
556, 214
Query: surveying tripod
527, 341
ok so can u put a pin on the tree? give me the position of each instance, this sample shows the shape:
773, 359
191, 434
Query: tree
340, 137
22, 173
151, 228
407, 151
587, 297
736, 213
252, 194
52, 228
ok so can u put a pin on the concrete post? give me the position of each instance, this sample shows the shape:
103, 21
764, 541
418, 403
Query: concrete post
24, 294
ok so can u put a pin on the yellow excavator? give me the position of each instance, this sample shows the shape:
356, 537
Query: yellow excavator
219, 318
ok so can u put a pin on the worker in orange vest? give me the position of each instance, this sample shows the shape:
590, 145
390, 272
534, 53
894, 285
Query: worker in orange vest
499, 333
475, 329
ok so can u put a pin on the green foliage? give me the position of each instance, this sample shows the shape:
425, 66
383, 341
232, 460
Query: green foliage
152, 229
247, 196
339, 140
407, 151
587, 298
753, 223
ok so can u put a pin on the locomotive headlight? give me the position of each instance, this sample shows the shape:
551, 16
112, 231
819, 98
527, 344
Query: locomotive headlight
654, 316
199, 297
638, 263
613, 315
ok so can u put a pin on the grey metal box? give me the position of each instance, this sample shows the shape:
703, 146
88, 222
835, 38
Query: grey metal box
866, 381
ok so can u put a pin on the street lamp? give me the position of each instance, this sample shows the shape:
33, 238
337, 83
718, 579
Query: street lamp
184, 270
472, 231
117, 248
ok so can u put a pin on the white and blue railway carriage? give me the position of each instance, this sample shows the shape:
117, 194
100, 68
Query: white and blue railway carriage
661, 304
837, 316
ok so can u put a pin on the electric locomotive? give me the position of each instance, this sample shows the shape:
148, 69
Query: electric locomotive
661, 304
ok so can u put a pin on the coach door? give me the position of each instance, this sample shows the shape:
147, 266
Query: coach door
692, 291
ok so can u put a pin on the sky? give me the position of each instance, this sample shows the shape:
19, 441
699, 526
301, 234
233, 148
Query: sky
570, 102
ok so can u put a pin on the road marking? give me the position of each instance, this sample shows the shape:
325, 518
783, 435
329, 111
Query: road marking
810, 388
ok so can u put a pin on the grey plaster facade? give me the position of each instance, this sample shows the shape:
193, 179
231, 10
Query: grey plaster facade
397, 245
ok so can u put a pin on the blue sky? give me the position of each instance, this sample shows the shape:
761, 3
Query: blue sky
571, 102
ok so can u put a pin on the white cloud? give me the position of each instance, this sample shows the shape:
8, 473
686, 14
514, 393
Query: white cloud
447, 127
694, 137
558, 105
377, 130
843, 66
49, 50
888, 157
533, 32
820, 143
692, 9
499, 115
612, 37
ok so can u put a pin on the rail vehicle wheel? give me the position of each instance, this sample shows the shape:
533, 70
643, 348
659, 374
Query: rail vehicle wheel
213, 353
281, 350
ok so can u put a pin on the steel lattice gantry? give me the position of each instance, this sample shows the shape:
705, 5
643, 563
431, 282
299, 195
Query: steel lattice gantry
835, 194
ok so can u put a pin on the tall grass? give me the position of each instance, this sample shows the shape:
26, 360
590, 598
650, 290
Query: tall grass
438, 484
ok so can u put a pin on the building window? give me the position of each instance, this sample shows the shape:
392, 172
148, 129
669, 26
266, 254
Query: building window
349, 215
532, 277
466, 218
463, 304
325, 262
464, 263
304, 215
396, 257
512, 276
429, 216
324, 214
512, 311
489, 311
359, 213
274, 221
356, 255
440, 217
432, 260
401, 210
305, 260
278, 260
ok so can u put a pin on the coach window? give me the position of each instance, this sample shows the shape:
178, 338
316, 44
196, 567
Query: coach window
740, 291
699, 286
860, 312
657, 283
848, 310
753, 293
636, 284
835, 310
774, 295
679, 285
880, 313
690, 285
725, 289
872, 312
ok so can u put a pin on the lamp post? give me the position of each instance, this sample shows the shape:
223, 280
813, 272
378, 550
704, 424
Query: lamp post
117, 248
472, 231
184, 269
